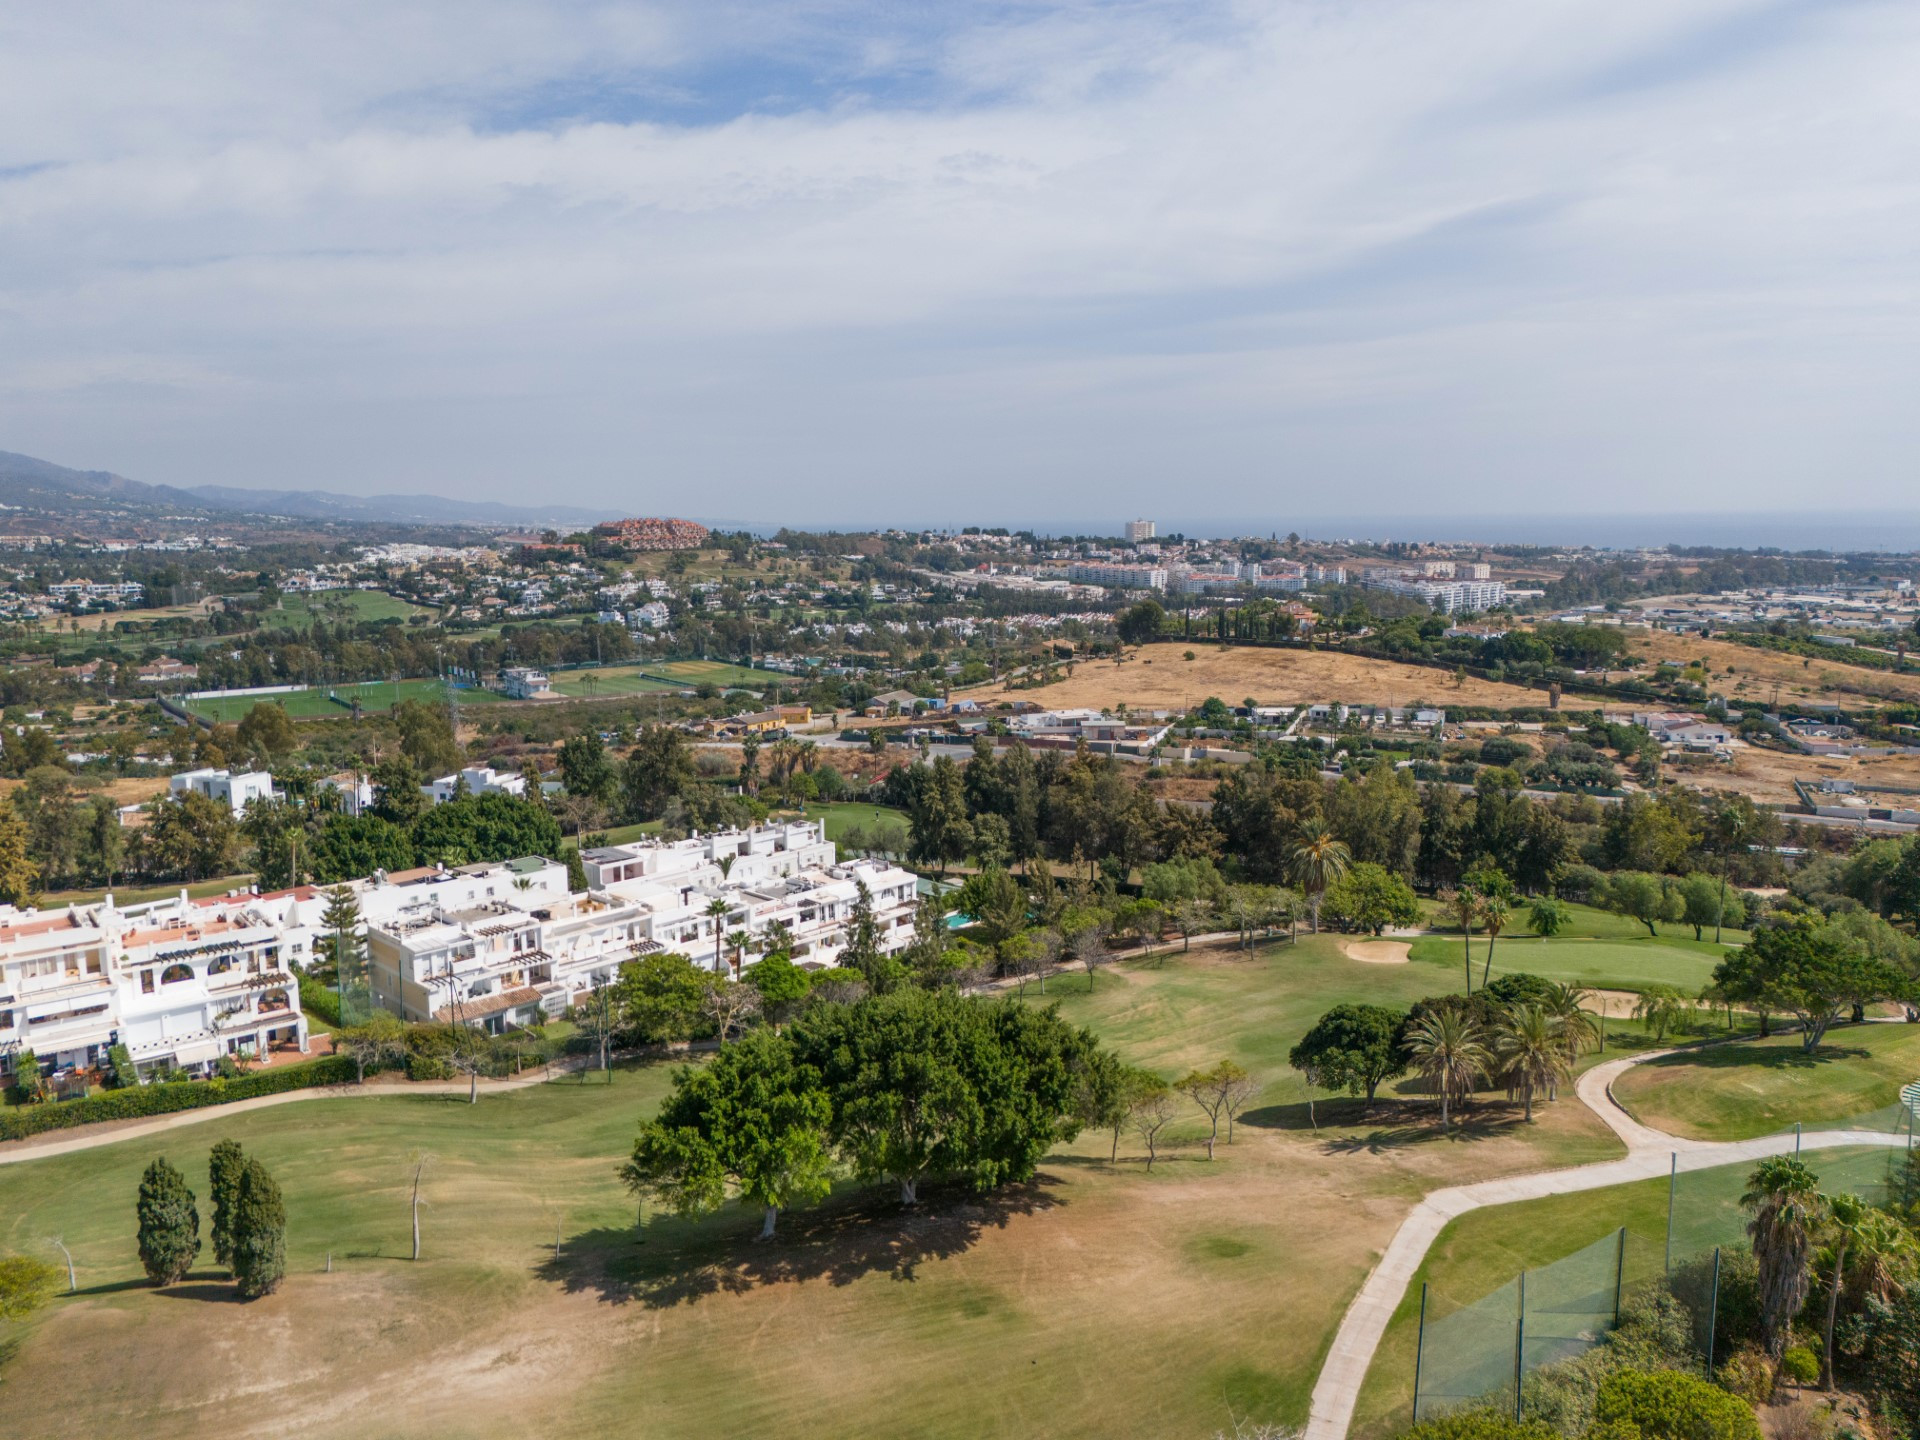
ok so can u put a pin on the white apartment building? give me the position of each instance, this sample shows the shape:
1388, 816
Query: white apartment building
481, 780
1138, 530
180, 983
521, 953
1118, 577
236, 790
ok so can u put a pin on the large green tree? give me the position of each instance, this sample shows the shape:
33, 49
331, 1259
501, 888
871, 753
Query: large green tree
1351, 1048
751, 1119
928, 1083
1370, 897
658, 769
663, 997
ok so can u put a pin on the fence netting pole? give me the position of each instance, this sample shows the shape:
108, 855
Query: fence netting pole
1619, 1276
1519, 1346
1713, 1311
1673, 1183
1419, 1352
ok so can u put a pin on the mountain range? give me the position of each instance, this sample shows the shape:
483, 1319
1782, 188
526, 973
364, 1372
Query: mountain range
27, 483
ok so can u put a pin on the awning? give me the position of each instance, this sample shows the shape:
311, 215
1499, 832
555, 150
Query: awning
197, 1052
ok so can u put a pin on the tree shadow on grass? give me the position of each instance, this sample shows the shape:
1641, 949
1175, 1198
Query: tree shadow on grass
1750, 1057
1350, 1127
673, 1262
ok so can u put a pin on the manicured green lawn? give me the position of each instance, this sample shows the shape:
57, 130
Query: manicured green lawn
1622, 964
613, 680
360, 606
1758, 1087
715, 672
840, 818
316, 702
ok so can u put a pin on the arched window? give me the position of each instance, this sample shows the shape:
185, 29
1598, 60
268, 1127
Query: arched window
173, 974
273, 1000
221, 964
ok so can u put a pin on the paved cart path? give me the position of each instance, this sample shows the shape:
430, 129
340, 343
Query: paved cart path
1651, 1154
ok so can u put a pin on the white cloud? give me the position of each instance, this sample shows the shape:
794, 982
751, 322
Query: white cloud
1071, 259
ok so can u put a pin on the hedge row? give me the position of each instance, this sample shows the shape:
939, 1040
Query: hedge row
320, 1001
19, 1121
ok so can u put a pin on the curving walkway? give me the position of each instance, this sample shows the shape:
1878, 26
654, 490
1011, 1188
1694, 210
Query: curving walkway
1650, 1155
66, 1142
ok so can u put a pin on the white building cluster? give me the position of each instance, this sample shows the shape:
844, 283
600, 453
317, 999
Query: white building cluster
535, 949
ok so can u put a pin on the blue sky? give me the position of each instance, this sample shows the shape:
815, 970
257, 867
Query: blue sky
1006, 263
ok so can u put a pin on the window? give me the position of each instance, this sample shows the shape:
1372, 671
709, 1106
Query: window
221, 964
174, 974
146, 982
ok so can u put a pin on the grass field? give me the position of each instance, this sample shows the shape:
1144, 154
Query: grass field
1483, 1251
714, 672
612, 680
1624, 964
1158, 677
54, 899
297, 612
1101, 1301
1760, 1087
376, 696
841, 818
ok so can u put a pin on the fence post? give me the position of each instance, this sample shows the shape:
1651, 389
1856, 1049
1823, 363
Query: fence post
1619, 1276
1519, 1346
1796, 1137
1419, 1352
1713, 1311
1673, 1181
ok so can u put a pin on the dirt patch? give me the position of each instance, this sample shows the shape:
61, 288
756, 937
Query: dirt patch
1159, 677
1377, 952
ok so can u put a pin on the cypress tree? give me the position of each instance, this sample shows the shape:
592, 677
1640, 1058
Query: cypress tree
169, 1224
259, 1233
223, 1185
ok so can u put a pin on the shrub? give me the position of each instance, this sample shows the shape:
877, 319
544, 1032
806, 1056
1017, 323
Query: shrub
1483, 1424
1672, 1405
1800, 1365
1692, 1286
143, 1100
322, 1002
1749, 1374
1805, 1421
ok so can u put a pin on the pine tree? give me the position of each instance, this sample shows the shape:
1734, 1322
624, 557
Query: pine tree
169, 1224
19, 875
259, 1233
224, 1168
342, 921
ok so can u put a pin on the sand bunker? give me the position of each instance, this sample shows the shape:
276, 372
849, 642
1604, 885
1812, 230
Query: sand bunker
1377, 952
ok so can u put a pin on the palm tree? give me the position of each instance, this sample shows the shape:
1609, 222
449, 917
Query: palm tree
1465, 905
716, 911
1784, 1196
1732, 824
1579, 1028
1494, 913
1317, 863
1530, 1052
1844, 1216
1450, 1054
738, 941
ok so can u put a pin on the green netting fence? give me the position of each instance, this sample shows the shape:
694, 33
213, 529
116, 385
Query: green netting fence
1479, 1351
